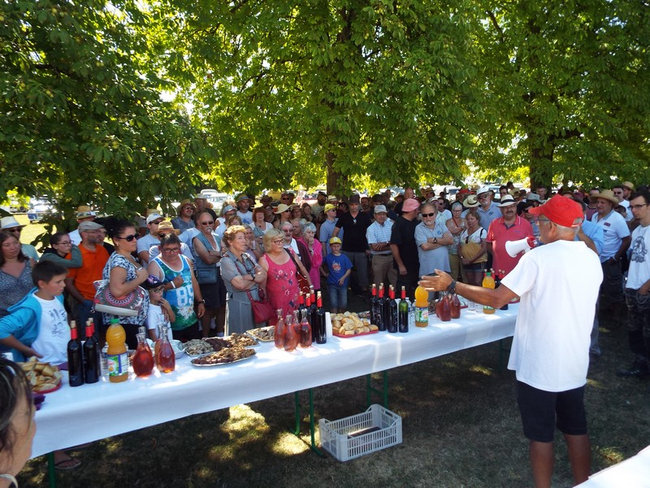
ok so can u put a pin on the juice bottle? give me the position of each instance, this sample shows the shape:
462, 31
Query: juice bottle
488, 282
290, 334
142, 359
165, 357
421, 307
305, 330
116, 356
444, 312
455, 306
279, 332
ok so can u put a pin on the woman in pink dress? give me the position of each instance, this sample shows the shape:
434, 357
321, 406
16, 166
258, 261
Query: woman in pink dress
315, 252
281, 280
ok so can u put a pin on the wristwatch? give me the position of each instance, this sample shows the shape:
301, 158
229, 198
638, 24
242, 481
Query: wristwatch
435, 240
202, 300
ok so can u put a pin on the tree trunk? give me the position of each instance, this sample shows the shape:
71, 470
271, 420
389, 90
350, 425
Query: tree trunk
541, 167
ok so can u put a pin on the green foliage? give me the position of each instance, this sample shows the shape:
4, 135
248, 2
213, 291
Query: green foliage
291, 93
83, 119
567, 90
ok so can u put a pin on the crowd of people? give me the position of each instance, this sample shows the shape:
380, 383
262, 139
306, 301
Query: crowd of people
203, 270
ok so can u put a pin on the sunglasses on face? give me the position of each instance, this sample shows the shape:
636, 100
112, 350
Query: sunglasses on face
208, 223
14, 229
429, 215
129, 238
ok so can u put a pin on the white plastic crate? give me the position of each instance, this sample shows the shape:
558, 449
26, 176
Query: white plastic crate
351, 437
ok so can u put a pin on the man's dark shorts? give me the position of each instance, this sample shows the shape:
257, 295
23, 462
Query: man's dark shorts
541, 411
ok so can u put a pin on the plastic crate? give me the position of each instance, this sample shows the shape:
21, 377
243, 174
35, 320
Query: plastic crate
351, 437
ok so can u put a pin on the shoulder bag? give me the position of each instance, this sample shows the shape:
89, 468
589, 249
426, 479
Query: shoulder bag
128, 305
262, 309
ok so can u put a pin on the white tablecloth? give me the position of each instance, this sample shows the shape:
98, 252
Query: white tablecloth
631, 473
72, 416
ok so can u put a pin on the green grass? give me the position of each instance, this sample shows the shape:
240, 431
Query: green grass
461, 427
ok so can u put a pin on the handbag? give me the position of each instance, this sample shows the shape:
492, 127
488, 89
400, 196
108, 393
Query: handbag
303, 283
262, 309
128, 305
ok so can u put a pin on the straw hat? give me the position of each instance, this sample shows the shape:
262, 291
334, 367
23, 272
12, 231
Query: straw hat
84, 212
470, 202
605, 195
166, 226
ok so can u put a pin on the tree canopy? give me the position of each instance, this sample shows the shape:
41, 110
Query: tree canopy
273, 94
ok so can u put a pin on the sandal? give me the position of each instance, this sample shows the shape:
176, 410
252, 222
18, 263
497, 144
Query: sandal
67, 464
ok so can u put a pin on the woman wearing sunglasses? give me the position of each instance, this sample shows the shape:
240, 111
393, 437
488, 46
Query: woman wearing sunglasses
124, 275
206, 248
432, 238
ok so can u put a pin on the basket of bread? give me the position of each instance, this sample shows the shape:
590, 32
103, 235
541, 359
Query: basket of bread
44, 377
349, 324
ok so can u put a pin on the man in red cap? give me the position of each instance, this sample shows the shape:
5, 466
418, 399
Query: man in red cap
558, 286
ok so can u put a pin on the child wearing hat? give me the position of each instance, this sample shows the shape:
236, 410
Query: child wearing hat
337, 267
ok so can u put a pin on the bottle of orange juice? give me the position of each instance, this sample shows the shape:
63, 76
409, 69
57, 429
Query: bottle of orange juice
488, 282
116, 355
421, 307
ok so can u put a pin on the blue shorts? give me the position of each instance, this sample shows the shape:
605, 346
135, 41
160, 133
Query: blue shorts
542, 411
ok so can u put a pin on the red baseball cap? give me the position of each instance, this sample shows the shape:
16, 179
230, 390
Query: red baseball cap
561, 210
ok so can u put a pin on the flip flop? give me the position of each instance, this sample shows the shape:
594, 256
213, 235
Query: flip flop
67, 464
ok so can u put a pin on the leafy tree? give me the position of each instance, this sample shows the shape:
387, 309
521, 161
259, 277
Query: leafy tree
293, 93
83, 121
567, 89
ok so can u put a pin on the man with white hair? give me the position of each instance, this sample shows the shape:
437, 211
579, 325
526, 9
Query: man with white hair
558, 286
378, 236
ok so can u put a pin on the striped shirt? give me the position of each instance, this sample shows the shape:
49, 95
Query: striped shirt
377, 233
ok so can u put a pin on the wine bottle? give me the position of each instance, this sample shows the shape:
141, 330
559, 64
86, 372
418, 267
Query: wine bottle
373, 304
90, 356
321, 325
404, 312
393, 316
380, 323
75, 358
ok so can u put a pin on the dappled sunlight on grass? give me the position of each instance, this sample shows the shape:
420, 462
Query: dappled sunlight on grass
113, 446
612, 454
596, 384
287, 444
244, 425
481, 369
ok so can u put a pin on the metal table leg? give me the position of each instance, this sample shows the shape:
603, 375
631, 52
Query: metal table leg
383, 393
51, 472
312, 423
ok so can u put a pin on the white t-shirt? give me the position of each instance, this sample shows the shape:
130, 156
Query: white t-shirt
246, 217
54, 332
558, 284
156, 318
188, 235
145, 243
75, 237
639, 271
614, 229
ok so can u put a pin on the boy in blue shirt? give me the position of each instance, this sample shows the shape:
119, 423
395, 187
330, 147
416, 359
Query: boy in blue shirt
337, 268
38, 324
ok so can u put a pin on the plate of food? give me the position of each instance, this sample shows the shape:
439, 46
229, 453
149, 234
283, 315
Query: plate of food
44, 377
224, 357
263, 334
197, 347
349, 324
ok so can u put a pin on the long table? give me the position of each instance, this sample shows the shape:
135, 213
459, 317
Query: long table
104, 409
